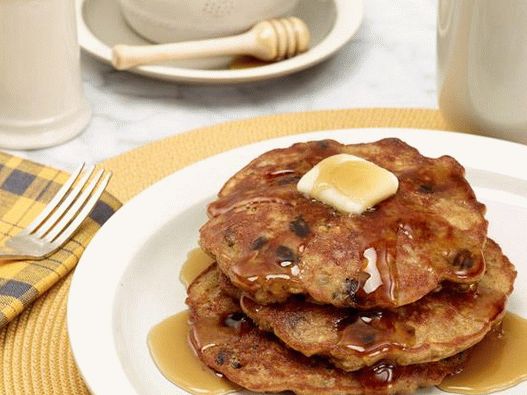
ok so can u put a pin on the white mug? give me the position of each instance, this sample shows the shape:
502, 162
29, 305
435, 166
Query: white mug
482, 66
41, 101
164, 21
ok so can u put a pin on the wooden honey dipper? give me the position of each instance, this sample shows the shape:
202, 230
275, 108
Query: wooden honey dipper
270, 40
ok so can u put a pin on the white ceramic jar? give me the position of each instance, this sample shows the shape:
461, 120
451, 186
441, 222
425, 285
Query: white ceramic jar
164, 21
41, 101
482, 66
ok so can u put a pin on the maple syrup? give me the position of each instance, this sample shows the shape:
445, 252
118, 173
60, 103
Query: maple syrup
498, 362
246, 62
177, 361
197, 261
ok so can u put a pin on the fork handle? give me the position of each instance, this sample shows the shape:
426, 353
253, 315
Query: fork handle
8, 254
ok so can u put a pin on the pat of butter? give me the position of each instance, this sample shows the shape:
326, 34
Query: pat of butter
348, 183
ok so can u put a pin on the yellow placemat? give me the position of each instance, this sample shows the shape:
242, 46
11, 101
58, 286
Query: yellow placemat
35, 353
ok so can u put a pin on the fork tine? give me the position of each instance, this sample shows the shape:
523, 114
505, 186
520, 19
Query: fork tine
85, 210
74, 209
65, 204
55, 201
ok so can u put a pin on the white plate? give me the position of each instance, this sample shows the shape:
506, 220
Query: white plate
127, 280
332, 24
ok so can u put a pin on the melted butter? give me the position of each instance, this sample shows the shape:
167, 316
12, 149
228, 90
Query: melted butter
352, 178
175, 358
197, 261
348, 183
497, 363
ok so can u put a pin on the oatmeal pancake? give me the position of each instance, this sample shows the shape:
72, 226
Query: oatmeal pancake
272, 241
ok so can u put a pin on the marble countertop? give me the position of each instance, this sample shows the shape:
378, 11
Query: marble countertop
389, 63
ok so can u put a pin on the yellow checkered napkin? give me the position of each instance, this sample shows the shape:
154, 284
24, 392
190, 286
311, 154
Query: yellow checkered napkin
25, 188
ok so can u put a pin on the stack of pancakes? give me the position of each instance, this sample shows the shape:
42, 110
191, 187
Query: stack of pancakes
304, 298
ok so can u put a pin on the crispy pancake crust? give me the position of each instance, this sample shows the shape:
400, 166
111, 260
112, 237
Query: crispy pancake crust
437, 326
272, 241
228, 342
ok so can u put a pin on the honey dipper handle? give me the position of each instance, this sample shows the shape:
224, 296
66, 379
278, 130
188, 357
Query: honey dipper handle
125, 56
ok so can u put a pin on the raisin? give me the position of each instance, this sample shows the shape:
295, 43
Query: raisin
284, 254
220, 358
288, 180
236, 364
229, 237
426, 188
258, 243
300, 227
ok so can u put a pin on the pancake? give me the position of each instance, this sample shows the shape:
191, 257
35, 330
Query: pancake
439, 325
272, 241
227, 341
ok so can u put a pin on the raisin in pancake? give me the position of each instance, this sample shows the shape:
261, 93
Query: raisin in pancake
272, 241
227, 341
439, 325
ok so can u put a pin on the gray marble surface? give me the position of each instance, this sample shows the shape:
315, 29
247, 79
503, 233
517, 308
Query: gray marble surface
389, 63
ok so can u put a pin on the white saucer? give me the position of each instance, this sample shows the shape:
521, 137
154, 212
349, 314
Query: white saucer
332, 23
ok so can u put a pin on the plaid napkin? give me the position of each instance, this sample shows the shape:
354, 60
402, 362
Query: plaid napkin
25, 188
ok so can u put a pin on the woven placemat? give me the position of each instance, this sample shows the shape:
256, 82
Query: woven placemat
36, 357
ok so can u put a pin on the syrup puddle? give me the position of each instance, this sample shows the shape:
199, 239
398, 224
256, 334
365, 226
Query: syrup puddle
497, 363
197, 261
247, 62
175, 358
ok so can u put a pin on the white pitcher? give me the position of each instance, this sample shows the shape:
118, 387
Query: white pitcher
482, 65
41, 99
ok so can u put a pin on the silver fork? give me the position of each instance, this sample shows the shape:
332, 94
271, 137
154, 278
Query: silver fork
60, 218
